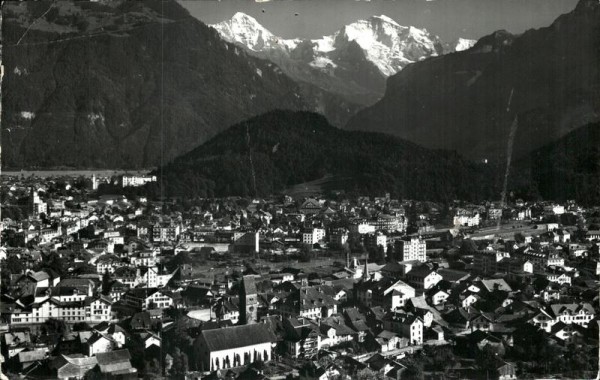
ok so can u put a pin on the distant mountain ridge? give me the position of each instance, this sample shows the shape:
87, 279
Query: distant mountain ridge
549, 79
353, 62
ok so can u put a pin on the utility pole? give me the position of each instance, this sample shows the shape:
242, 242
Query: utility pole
598, 322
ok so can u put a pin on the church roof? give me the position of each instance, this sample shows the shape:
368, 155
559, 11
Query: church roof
237, 336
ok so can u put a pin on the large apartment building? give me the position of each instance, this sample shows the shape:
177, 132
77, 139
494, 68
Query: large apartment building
412, 249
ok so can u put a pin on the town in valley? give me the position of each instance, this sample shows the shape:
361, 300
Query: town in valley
300, 190
99, 280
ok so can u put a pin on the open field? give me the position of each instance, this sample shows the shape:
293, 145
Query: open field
312, 188
209, 268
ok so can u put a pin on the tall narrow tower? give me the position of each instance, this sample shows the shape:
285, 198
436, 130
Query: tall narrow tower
366, 276
248, 301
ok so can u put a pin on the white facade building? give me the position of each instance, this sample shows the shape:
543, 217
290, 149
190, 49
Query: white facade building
133, 180
313, 236
413, 249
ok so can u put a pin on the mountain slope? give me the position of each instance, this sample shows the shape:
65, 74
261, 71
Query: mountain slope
274, 151
548, 78
565, 169
353, 62
301, 152
85, 85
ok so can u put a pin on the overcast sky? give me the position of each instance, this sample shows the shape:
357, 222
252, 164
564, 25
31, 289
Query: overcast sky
447, 18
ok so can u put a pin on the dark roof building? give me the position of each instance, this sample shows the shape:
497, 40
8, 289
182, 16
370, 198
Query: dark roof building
234, 346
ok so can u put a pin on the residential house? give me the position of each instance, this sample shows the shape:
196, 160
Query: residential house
148, 298
423, 277
302, 337
406, 324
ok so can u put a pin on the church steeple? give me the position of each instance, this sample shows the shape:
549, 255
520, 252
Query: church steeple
248, 301
366, 275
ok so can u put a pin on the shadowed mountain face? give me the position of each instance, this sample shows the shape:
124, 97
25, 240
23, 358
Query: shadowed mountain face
271, 152
568, 168
85, 86
467, 101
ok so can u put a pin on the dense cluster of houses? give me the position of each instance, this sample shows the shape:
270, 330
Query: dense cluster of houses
310, 288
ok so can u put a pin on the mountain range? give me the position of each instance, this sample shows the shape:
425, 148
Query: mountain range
508, 94
138, 84
353, 63
124, 84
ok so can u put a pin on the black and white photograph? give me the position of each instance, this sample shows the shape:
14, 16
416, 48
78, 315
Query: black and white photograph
300, 189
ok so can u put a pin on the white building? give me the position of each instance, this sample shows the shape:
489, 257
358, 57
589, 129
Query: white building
108, 263
145, 258
37, 206
133, 180
413, 249
152, 278
406, 325
147, 298
165, 232
555, 209
579, 314
362, 228
467, 220
313, 235
91, 309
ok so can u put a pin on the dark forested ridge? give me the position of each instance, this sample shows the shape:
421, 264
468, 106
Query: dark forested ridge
274, 151
549, 78
566, 169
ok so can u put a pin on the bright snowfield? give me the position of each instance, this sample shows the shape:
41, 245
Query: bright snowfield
464, 44
385, 43
389, 45
246, 31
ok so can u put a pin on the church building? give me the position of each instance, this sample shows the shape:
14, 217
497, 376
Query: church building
234, 346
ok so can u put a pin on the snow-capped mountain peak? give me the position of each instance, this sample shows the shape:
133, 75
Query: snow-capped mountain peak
384, 18
389, 45
243, 17
356, 59
245, 30
385, 43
